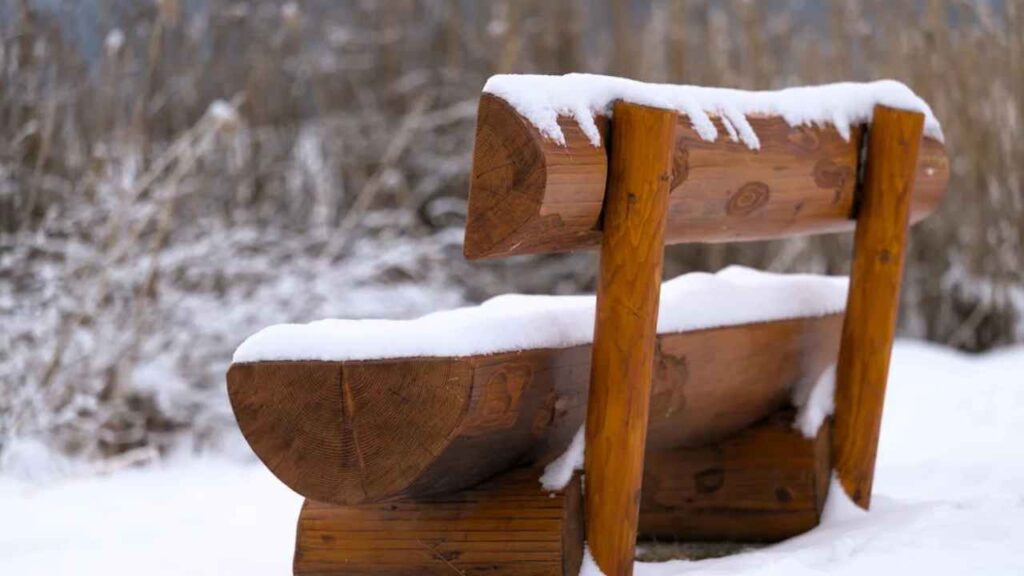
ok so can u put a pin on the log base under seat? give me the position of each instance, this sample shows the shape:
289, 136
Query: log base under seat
764, 484
508, 525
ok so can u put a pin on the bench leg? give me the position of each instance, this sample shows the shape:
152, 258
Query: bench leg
629, 281
870, 322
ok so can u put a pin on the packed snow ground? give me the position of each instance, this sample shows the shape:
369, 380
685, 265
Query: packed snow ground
949, 499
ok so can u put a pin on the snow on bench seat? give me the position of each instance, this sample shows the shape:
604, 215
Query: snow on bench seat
694, 301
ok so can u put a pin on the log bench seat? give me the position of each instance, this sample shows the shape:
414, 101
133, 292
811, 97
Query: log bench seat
359, 411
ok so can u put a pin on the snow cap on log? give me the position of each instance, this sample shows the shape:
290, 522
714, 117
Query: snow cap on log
746, 165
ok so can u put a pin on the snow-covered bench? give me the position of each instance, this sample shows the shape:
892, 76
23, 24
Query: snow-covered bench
420, 444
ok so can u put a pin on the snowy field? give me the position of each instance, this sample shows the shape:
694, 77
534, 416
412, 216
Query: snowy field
949, 499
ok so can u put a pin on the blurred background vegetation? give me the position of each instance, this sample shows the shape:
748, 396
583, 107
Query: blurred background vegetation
175, 174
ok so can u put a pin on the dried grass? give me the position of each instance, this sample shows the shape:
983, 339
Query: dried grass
142, 234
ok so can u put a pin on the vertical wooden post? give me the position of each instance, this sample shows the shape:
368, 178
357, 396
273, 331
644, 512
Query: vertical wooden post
632, 251
870, 322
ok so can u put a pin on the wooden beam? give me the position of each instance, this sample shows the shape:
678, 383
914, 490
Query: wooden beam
529, 194
871, 308
628, 289
508, 525
411, 427
764, 484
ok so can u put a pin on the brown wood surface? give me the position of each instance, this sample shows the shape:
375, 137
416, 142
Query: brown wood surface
366, 431
878, 255
622, 364
508, 525
764, 484
529, 194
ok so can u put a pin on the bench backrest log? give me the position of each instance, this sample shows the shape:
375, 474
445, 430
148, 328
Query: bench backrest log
531, 195
655, 181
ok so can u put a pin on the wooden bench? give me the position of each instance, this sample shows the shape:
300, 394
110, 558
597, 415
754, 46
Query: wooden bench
419, 465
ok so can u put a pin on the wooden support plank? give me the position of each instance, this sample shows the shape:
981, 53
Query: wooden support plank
529, 194
628, 286
764, 484
420, 426
871, 309
508, 525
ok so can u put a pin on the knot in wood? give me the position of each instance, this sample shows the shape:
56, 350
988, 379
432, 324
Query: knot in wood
829, 175
748, 198
680, 165
708, 481
805, 138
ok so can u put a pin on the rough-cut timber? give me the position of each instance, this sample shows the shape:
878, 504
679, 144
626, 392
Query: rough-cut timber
622, 364
508, 525
764, 484
354, 432
879, 248
529, 194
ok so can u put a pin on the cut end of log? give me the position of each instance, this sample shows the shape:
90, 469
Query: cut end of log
339, 433
931, 179
518, 173
505, 161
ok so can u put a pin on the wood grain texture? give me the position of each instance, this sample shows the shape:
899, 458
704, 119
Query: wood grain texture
628, 290
877, 271
763, 484
508, 525
528, 194
419, 426
531, 195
